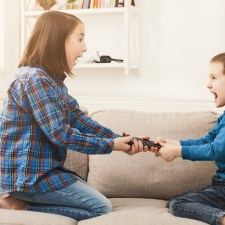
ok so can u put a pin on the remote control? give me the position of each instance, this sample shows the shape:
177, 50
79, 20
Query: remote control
146, 142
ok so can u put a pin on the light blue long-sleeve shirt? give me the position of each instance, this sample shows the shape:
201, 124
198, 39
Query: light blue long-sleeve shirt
208, 148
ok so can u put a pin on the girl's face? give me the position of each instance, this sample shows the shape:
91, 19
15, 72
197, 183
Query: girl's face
75, 45
216, 83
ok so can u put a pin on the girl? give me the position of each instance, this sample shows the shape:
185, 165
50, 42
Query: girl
40, 121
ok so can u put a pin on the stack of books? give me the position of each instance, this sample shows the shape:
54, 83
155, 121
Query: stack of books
92, 4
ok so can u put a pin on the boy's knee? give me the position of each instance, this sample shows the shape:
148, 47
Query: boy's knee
174, 207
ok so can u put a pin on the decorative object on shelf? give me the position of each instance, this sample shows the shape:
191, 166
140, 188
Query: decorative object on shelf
37, 7
96, 58
107, 59
73, 4
46, 4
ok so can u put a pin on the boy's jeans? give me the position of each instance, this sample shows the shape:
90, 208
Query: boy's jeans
206, 204
78, 201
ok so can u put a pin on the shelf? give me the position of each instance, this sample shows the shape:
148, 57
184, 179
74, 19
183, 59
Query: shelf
123, 35
100, 65
118, 10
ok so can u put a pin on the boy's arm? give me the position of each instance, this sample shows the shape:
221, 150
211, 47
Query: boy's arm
205, 139
209, 148
214, 150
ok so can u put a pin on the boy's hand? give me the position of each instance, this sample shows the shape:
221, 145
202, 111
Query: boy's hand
162, 142
169, 151
166, 140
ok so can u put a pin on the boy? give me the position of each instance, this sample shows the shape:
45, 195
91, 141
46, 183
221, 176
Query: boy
206, 204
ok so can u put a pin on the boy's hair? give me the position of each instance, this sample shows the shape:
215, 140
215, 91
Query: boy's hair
46, 45
219, 58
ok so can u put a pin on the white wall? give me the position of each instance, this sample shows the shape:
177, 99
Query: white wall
12, 44
178, 38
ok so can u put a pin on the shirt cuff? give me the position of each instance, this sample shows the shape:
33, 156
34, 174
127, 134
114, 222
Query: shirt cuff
184, 142
185, 152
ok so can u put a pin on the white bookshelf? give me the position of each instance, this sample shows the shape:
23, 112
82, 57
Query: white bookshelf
110, 31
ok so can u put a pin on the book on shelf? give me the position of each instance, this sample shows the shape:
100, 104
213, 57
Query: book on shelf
92, 4
86, 4
119, 3
80, 4
113, 3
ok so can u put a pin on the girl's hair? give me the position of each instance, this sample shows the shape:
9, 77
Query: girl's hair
46, 45
219, 58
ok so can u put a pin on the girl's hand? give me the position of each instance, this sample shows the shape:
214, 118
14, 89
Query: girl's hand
140, 145
120, 144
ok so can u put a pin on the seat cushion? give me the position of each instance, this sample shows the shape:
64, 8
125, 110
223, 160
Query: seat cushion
139, 212
144, 175
19, 217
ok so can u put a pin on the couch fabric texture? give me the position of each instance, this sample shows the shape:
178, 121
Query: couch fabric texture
138, 186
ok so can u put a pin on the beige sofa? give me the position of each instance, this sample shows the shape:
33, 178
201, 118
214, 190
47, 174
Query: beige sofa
138, 186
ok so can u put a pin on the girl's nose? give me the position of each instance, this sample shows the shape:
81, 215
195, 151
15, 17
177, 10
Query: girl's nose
84, 48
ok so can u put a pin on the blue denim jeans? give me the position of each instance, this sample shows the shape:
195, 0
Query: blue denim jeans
206, 204
78, 201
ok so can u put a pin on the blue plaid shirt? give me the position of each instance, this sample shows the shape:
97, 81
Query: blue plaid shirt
39, 122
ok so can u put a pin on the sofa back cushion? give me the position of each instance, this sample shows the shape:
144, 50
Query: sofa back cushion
143, 174
76, 161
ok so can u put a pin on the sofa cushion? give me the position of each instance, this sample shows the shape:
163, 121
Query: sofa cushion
77, 162
19, 217
143, 174
139, 212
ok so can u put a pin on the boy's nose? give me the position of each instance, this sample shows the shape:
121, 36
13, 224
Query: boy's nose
209, 85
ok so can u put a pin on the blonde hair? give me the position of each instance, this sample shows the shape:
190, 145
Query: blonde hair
219, 58
46, 45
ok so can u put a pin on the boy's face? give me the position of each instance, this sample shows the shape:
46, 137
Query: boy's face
75, 45
216, 83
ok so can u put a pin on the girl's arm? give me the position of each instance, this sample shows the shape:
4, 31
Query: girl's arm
85, 124
47, 109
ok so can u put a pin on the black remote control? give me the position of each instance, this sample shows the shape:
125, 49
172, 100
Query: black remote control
146, 142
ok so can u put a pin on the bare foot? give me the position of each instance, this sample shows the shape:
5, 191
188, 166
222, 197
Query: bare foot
223, 221
10, 202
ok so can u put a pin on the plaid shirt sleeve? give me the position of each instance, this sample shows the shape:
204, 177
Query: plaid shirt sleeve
85, 124
50, 114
